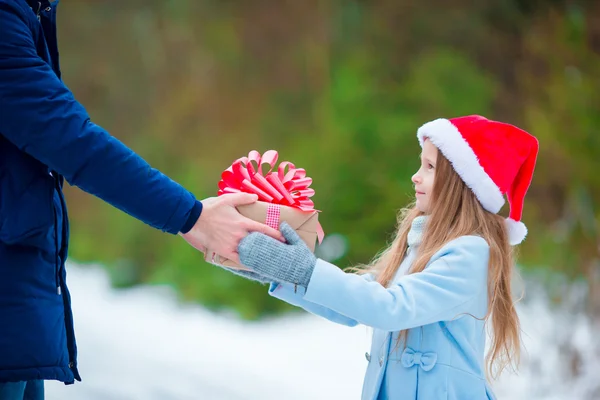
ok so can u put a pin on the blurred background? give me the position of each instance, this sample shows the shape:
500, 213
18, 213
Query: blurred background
338, 88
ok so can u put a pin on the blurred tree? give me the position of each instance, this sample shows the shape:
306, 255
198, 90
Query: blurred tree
339, 88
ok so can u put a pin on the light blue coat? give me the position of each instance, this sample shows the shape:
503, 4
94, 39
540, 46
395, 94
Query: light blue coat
442, 308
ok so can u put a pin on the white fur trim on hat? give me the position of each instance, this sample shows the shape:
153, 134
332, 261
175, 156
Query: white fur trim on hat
516, 231
448, 139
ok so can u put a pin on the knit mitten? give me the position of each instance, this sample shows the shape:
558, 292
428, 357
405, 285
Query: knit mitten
291, 263
253, 276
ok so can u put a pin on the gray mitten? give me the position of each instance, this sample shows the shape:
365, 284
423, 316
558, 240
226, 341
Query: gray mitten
292, 263
253, 276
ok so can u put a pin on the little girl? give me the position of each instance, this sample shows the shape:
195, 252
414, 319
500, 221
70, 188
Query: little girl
447, 272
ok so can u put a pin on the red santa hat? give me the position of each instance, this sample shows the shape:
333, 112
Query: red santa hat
492, 158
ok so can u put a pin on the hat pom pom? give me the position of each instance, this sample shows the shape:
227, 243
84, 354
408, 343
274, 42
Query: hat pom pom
516, 231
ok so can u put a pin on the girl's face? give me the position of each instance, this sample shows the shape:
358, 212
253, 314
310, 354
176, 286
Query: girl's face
425, 176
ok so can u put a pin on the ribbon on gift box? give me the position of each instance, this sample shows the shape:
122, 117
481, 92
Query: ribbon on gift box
285, 185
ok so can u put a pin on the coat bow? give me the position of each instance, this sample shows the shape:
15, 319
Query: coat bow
425, 360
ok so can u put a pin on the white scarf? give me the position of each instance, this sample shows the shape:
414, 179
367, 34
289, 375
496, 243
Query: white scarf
415, 235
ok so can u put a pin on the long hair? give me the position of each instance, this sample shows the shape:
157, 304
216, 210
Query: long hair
455, 212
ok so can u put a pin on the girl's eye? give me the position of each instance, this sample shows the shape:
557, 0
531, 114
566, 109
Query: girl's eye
430, 166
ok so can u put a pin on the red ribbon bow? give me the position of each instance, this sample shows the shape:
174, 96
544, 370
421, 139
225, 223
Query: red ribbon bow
286, 185
289, 188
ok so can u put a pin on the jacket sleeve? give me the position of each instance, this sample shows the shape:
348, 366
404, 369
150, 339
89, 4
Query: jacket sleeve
40, 116
449, 286
289, 294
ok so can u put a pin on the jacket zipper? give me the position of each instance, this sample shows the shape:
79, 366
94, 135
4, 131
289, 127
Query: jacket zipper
39, 9
63, 256
56, 249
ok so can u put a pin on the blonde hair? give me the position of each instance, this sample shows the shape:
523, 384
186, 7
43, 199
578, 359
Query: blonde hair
456, 212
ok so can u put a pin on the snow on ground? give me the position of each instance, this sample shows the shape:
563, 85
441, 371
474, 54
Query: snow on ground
140, 344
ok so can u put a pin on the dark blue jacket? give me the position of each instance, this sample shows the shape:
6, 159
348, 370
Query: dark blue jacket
47, 137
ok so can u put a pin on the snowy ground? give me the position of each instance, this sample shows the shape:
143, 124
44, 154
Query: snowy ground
139, 344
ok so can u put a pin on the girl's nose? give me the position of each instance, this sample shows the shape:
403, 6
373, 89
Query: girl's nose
416, 178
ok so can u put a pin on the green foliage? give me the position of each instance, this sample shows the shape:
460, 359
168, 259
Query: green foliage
339, 89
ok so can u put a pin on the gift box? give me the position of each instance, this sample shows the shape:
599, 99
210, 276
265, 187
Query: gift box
283, 193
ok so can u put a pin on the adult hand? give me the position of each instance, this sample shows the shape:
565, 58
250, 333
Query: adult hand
221, 227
